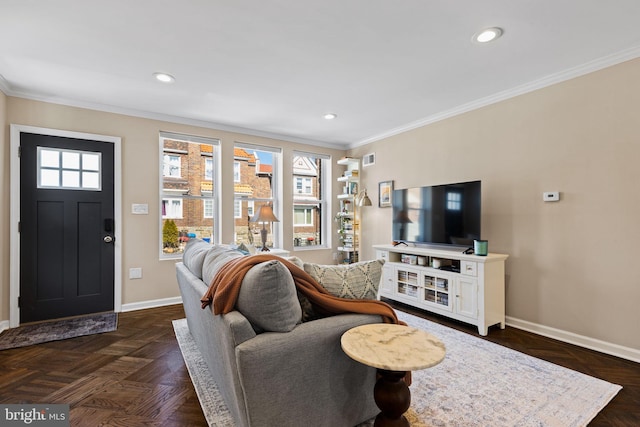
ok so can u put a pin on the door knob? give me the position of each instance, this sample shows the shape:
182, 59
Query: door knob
108, 239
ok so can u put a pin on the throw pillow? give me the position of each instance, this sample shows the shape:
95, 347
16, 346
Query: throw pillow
354, 281
295, 261
268, 298
193, 256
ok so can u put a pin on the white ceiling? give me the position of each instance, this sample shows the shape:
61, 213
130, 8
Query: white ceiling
275, 67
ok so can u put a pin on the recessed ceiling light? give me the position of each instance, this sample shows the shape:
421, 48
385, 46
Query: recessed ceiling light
330, 116
164, 77
487, 35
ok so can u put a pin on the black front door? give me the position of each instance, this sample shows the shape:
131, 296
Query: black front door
66, 227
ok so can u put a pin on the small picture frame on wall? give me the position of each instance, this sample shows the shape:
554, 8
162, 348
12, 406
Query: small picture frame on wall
385, 190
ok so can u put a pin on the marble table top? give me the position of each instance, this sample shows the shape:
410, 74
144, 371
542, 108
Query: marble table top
392, 347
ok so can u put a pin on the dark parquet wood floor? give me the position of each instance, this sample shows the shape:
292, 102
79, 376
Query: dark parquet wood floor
136, 376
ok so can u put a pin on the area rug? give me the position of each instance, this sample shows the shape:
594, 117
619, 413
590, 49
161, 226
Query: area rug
478, 384
56, 330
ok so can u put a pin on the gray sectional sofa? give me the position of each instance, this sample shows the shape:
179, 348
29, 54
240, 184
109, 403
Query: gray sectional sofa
272, 369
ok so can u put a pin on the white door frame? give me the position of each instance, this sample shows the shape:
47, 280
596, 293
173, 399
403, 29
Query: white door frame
14, 215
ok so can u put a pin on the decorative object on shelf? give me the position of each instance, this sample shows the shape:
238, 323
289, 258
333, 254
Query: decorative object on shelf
480, 247
385, 190
362, 199
264, 214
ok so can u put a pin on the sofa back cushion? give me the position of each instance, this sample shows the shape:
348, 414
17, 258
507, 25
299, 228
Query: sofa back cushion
193, 256
268, 298
215, 258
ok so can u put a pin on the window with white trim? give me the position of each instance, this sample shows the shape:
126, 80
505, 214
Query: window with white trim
303, 216
171, 208
258, 169
208, 169
172, 167
311, 207
207, 205
236, 171
303, 185
188, 191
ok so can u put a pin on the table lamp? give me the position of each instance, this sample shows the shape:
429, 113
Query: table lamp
264, 214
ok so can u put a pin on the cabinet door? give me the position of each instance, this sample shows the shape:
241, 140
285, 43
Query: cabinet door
437, 290
467, 297
407, 281
386, 281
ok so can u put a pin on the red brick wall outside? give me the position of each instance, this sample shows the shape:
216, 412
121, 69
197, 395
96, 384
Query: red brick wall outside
192, 179
259, 186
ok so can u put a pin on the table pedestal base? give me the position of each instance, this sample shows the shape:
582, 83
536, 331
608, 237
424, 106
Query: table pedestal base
393, 397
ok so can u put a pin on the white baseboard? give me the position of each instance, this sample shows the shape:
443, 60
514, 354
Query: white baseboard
151, 304
4, 325
579, 340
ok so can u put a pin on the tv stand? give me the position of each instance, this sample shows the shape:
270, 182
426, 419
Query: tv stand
465, 287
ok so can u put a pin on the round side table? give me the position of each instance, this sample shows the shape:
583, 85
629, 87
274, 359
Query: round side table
393, 350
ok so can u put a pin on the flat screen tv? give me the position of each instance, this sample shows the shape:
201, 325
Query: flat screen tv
437, 215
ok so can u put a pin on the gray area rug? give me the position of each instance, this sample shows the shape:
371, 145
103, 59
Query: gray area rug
56, 330
478, 384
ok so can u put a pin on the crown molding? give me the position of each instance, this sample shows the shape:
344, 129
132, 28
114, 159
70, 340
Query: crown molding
5, 87
589, 67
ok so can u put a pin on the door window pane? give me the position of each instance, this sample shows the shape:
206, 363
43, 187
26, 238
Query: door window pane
70, 179
49, 158
49, 178
90, 162
69, 169
70, 160
90, 180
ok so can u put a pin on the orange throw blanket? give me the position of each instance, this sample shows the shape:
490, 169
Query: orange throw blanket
225, 288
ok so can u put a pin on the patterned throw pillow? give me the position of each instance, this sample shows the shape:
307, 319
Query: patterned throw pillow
354, 281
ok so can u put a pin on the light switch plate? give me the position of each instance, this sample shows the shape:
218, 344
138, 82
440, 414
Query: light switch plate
140, 209
135, 273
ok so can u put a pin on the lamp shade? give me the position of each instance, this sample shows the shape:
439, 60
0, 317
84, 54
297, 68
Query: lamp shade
264, 214
362, 199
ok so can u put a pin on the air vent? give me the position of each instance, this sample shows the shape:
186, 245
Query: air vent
369, 159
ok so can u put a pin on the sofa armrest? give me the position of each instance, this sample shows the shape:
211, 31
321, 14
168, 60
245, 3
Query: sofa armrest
239, 327
308, 375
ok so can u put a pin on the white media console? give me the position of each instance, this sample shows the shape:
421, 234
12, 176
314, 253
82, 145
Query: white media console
468, 288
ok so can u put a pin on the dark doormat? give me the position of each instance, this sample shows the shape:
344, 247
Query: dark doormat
56, 330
